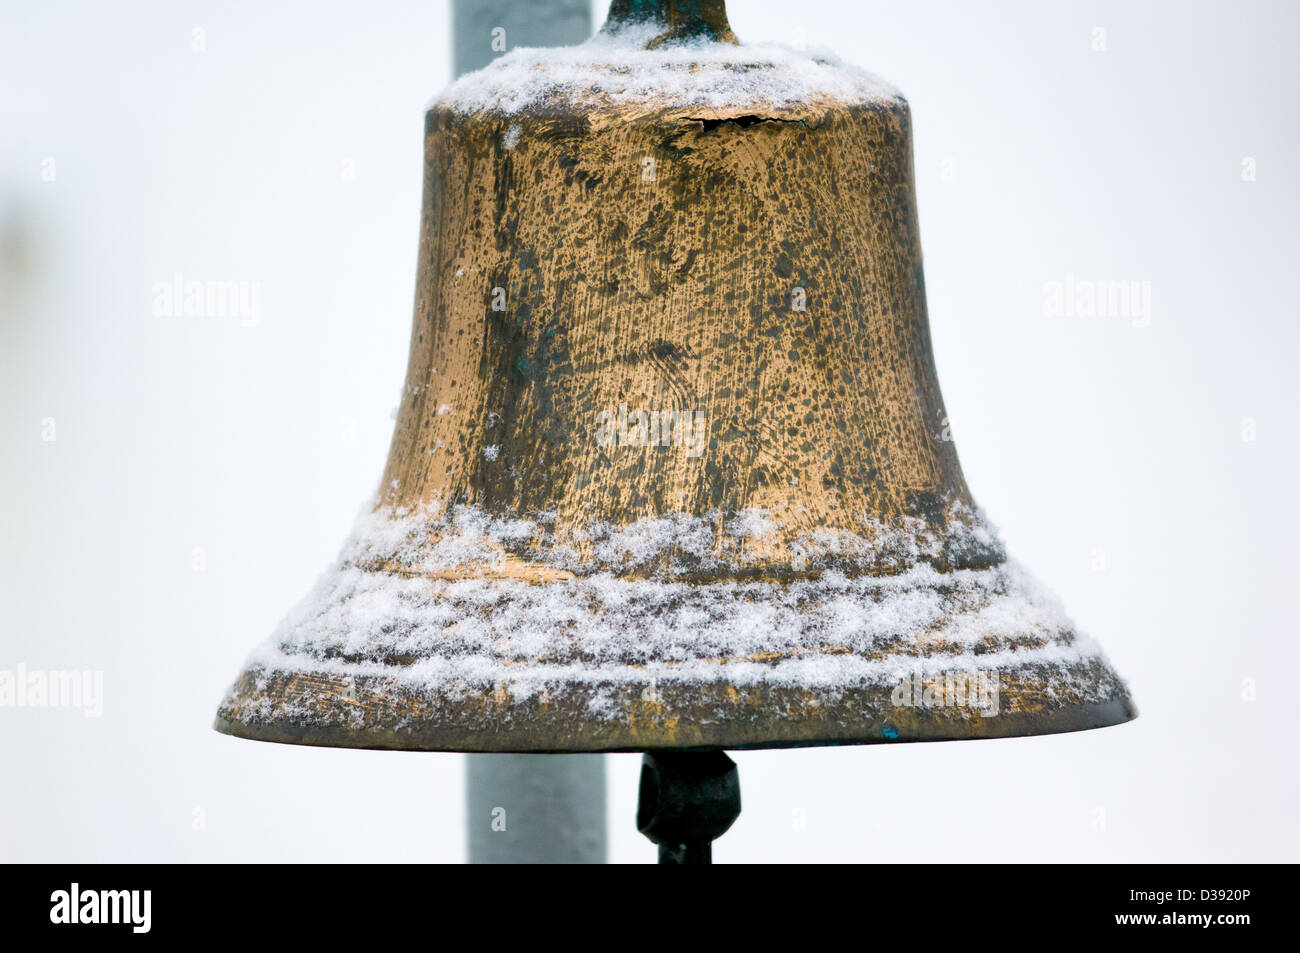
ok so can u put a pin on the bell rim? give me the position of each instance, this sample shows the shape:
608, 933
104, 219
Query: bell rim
923, 725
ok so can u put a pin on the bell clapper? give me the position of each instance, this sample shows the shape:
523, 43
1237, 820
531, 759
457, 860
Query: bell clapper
687, 800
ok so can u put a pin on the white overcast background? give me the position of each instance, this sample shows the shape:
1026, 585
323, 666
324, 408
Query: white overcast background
1110, 455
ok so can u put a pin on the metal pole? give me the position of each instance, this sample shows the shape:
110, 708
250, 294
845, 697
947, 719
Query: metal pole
484, 29
536, 808
528, 808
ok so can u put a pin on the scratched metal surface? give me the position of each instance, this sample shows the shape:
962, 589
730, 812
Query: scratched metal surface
675, 293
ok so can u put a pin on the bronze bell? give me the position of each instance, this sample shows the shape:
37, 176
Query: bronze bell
671, 468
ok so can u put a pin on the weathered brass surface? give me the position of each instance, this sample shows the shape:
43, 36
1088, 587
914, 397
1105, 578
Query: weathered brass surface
764, 270
676, 293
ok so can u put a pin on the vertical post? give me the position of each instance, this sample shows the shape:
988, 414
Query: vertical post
483, 29
536, 808
528, 808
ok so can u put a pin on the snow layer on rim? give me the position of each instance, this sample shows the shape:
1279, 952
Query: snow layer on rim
449, 636
434, 537
616, 70
453, 637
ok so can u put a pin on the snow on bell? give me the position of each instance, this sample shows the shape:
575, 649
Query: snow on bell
671, 468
